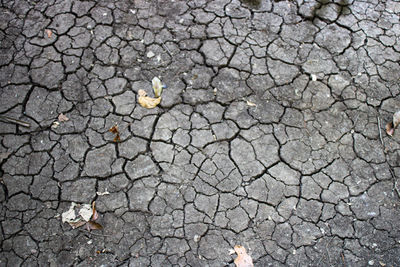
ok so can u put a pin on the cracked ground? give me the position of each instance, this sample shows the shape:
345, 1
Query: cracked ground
270, 133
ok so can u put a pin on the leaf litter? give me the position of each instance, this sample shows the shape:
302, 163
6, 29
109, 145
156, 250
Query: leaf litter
150, 102
82, 214
243, 259
391, 126
115, 131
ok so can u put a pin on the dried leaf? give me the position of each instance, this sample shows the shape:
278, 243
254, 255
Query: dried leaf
69, 215
251, 104
62, 118
55, 125
95, 215
117, 138
146, 101
103, 193
49, 33
389, 128
114, 129
91, 225
243, 259
396, 119
86, 212
157, 86
77, 224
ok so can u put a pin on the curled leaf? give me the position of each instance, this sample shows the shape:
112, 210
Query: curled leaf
91, 225
250, 104
391, 126
146, 101
243, 259
77, 224
95, 215
157, 86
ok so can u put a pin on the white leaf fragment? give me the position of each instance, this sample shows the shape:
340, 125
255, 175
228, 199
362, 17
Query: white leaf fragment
69, 215
86, 212
103, 193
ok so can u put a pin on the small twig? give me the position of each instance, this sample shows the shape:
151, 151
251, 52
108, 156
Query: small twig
380, 133
166, 48
90, 233
18, 122
395, 182
344, 263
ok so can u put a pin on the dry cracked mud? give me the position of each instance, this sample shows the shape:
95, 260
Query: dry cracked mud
270, 133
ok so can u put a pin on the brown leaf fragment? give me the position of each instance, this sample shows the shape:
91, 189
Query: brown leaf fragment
62, 118
117, 138
77, 224
243, 259
91, 225
114, 129
389, 128
49, 33
95, 215
146, 101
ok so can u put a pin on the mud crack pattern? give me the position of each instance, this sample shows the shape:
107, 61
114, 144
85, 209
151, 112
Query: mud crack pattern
270, 134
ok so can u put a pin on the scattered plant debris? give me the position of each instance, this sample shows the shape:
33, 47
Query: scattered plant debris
62, 118
250, 104
115, 131
391, 126
49, 33
146, 101
157, 87
243, 259
55, 125
86, 215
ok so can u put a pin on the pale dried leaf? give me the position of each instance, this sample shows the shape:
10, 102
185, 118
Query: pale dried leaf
396, 119
91, 225
149, 102
142, 92
49, 33
103, 193
243, 259
250, 104
86, 212
157, 86
69, 215
62, 118
55, 125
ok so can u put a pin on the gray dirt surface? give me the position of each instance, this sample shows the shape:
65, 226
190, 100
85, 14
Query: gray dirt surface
270, 133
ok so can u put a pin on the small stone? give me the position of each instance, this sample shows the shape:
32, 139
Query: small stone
371, 262
196, 238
